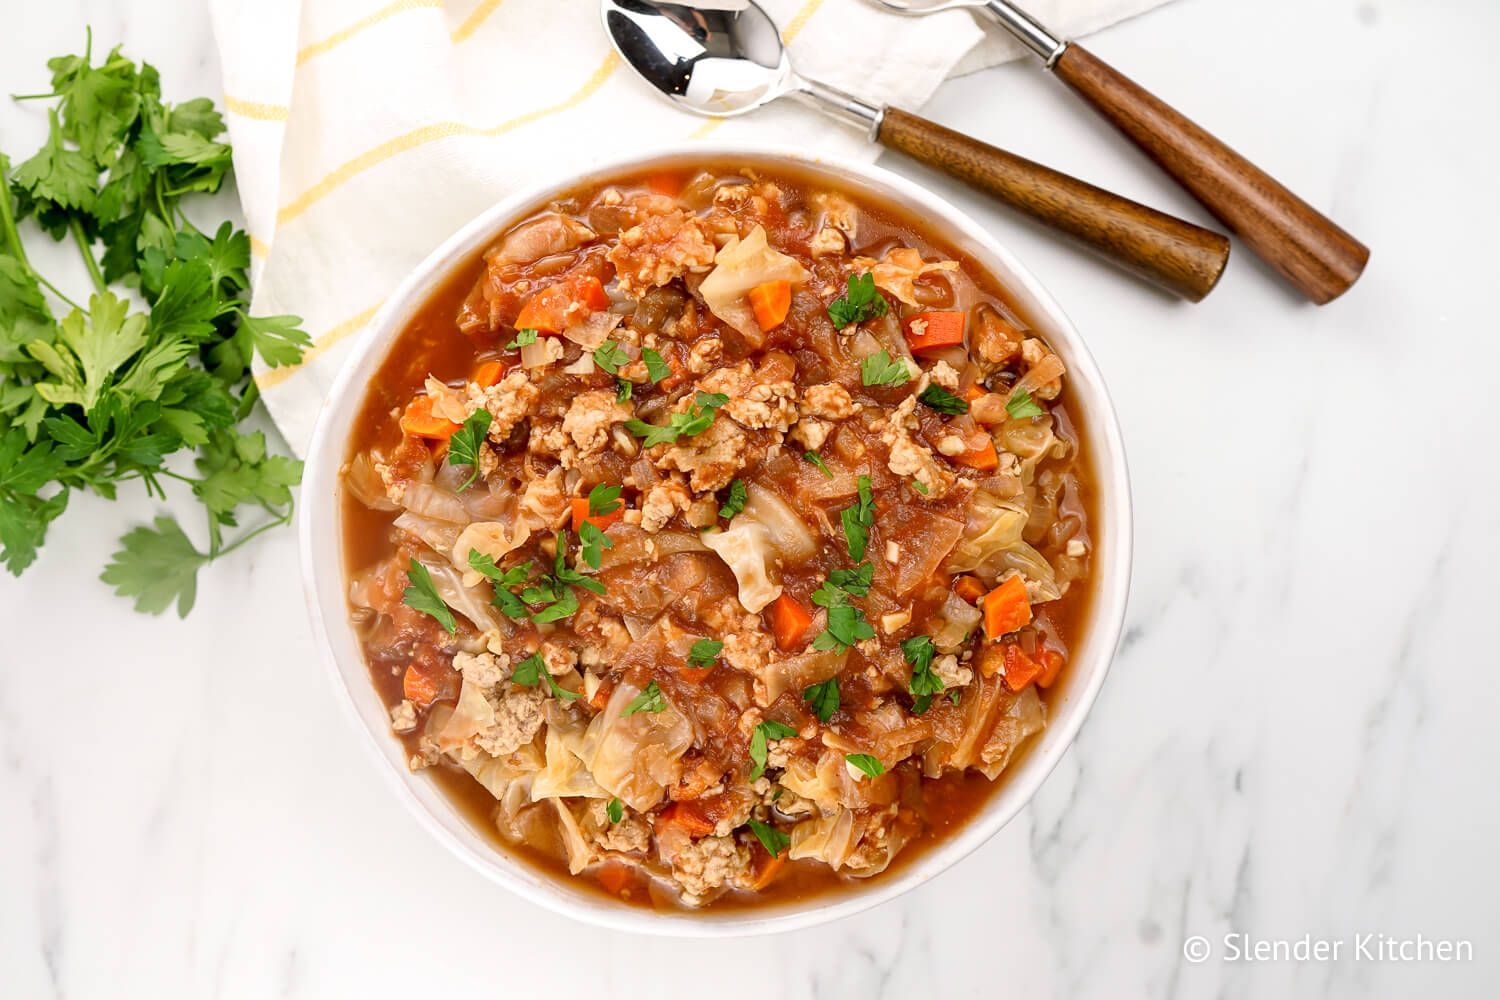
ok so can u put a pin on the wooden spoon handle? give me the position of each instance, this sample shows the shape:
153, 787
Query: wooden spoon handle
1177, 255
1307, 247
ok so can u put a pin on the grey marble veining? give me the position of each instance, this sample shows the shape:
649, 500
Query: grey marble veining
1298, 736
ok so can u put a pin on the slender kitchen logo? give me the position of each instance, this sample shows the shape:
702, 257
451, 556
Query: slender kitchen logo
1238, 946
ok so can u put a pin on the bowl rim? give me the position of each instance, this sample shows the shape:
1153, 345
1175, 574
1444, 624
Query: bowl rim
319, 525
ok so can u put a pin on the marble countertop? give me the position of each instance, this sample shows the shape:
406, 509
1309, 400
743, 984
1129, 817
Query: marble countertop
1297, 738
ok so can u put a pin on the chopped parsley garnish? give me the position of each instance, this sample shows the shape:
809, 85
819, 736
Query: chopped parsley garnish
772, 839
762, 734
859, 302
858, 520
656, 367
942, 400
1021, 405
559, 691
955, 696
846, 626
735, 501
604, 500
609, 357
882, 369
556, 589
423, 596
592, 543
623, 391
528, 671
649, 700
463, 446
920, 487
823, 698
690, 424
919, 651
816, 459
503, 581
865, 762
565, 605
524, 337
615, 810
705, 652
856, 581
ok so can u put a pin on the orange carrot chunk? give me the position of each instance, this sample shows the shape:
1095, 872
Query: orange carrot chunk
969, 588
1052, 664
789, 621
556, 307
984, 458
1006, 608
489, 373
771, 303
600, 521
420, 421
689, 816
931, 331
1020, 669
418, 686
613, 876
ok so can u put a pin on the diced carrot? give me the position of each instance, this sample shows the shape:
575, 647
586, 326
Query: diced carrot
489, 373
613, 876
667, 182
1052, 664
973, 392
601, 696
555, 307
768, 871
420, 421
931, 331
600, 521
691, 674
789, 621
984, 458
679, 373
1020, 669
771, 303
419, 685
969, 587
1006, 608
689, 816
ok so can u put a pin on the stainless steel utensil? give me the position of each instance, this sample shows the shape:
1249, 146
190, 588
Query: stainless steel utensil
1306, 247
725, 57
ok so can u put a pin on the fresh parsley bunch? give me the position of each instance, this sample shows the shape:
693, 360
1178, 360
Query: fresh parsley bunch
157, 361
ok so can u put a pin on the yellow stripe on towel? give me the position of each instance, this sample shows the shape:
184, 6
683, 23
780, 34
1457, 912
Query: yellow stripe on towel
473, 21
260, 112
424, 134
338, 38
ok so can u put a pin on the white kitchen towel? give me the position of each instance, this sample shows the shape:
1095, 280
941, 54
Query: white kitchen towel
366, 131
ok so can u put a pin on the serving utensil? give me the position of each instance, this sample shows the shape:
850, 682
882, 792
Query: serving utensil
1305, 246
725, 57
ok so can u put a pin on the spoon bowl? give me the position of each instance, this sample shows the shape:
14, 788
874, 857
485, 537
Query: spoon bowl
921, 7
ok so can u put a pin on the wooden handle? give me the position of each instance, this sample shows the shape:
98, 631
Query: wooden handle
1178, 256
1296, 239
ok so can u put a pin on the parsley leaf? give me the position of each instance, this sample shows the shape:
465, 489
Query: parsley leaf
529, 671
942, 400
846, 626
525, 337
824, 698
504, 599
920, 487
759, 737
609, 357
463, 446
615, 810
562, 607
649, 700
1020, 405
816, 459
558, 691
623, 391
881, 369
156, 566
604, 500
859, 302
705, 652
856, 581
919, 652
858, 519
593, 541
735, 502
656, 367
690, 424
772, 839
865, 762
423, 596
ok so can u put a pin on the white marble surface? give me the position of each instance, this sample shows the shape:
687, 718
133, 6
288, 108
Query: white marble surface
1298, 737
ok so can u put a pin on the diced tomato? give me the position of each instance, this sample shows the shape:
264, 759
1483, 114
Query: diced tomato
667, 182
420, 421
771, 302
556, 307
1006, 608
601, 521
931, 331
789, 621
1020, 669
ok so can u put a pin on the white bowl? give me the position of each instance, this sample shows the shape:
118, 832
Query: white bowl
323, 564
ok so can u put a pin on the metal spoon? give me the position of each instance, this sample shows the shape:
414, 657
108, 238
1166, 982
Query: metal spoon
1308, 248
725, 57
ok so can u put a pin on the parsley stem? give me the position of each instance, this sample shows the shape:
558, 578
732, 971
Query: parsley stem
283, 519
8, 221
76, 228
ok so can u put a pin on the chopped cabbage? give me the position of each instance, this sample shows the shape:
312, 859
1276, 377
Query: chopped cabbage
898, 271
564, 773
635, 757
466, 601
746, 548
739, 267
489, 538
789, 533
1024, 715
830, 839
